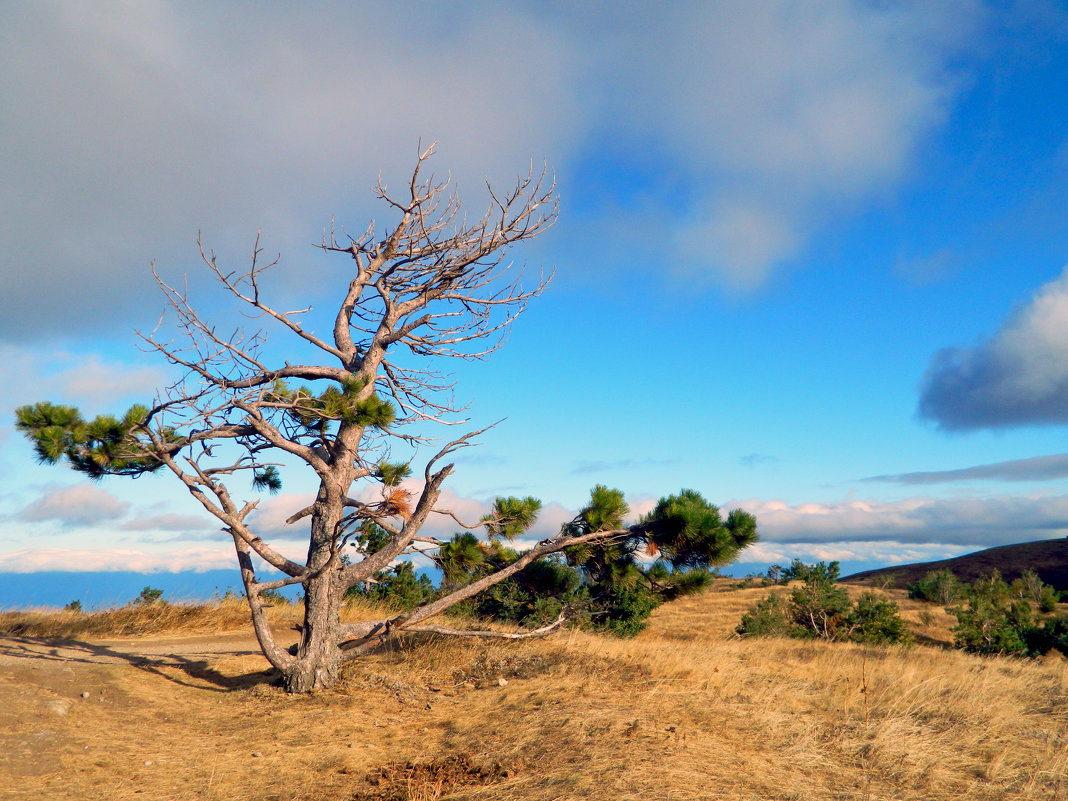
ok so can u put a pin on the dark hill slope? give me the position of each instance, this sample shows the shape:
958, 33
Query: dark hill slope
1048, 558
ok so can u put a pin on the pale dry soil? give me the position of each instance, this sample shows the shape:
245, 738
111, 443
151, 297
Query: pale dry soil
684, 711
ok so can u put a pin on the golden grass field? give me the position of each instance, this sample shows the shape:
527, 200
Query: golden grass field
683, 711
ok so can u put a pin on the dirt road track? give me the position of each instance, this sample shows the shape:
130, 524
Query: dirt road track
155, 650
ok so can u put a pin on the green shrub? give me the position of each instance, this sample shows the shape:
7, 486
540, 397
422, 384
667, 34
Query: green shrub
1032, 589
399, 586
769, 618
991, 621
1047, 599
875, 620
149, 595
937, 587
1053, 635
627, 610
820, 608
74, 606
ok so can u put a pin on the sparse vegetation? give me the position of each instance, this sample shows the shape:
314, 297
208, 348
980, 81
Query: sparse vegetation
997, 618
679, 711
820, 608
994, 617
938, 587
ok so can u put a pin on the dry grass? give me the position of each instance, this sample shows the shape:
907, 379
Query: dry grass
683, 711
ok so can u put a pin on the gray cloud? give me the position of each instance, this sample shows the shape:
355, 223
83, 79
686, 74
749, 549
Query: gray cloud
1018, 377
133, 126
190, 525
979, 521
77, 505
1035, 468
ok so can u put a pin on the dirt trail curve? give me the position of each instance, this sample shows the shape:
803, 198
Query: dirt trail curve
143, 650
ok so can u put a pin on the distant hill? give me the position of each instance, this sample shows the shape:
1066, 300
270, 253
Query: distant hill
1048, 558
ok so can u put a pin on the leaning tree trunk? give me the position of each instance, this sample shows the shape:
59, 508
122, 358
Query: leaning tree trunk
318, 654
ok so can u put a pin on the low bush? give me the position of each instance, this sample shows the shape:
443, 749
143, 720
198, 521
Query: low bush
997, 618
937, 587
819, 608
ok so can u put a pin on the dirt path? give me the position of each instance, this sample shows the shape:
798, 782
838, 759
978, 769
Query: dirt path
137, 650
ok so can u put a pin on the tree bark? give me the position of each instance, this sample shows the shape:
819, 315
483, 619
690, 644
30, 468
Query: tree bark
318, 653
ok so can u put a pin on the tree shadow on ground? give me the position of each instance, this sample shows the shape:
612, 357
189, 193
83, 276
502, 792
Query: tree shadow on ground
190, 670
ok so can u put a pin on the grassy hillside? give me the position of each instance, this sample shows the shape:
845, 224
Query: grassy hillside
683, 711
1048, 558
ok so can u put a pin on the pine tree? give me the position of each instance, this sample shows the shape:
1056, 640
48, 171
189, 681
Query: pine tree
431, 287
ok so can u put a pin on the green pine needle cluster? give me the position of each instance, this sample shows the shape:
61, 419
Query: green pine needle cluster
267, 478
689, 532
511, 516
103, 446
392, 473
335, 404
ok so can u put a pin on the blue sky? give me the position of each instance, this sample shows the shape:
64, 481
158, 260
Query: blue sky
811, 258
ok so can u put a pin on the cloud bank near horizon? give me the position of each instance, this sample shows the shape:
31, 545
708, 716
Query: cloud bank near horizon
896, 532
981, 521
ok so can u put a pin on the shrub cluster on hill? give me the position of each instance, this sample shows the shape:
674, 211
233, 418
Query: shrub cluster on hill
819, 608
994, 617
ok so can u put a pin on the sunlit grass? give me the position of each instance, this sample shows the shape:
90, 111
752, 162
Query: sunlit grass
686, 710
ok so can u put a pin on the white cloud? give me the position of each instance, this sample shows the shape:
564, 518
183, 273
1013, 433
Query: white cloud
981, 521
190, 524
93, 383
97, 382
790, 114
1018, 377
77, 505
885, 553
33, 373
269, 518
113, 559
851, 530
